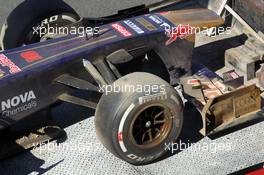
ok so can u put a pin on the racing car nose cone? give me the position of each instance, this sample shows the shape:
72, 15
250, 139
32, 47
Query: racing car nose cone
148, 124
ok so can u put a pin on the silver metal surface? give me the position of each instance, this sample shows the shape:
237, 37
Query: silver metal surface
82, 153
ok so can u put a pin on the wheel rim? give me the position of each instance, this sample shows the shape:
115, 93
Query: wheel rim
151, 125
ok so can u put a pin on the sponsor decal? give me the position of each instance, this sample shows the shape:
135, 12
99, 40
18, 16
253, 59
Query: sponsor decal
31, 56
162, 24
146, 24
4, 61
148, 98
120, 137
133, 26
19, 103
155, 19
139, 158
121, 30
181, 31
159, 21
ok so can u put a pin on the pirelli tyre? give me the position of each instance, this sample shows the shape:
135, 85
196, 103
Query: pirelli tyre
32, 21
137, 115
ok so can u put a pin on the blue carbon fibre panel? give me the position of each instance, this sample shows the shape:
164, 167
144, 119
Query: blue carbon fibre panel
58, 51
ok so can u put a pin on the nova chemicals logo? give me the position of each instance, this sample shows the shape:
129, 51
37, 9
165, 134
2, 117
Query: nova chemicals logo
19, 103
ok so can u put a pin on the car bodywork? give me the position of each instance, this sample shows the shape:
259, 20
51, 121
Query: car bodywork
36, 76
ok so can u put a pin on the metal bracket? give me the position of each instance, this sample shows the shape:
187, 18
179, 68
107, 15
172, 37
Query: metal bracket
104, 69
244, 23
76, 83
179, 89
119, 56
223, 110
12, 146
94, 72
77, 101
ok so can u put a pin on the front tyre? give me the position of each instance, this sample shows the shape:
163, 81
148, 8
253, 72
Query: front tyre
20, 26
135, 126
